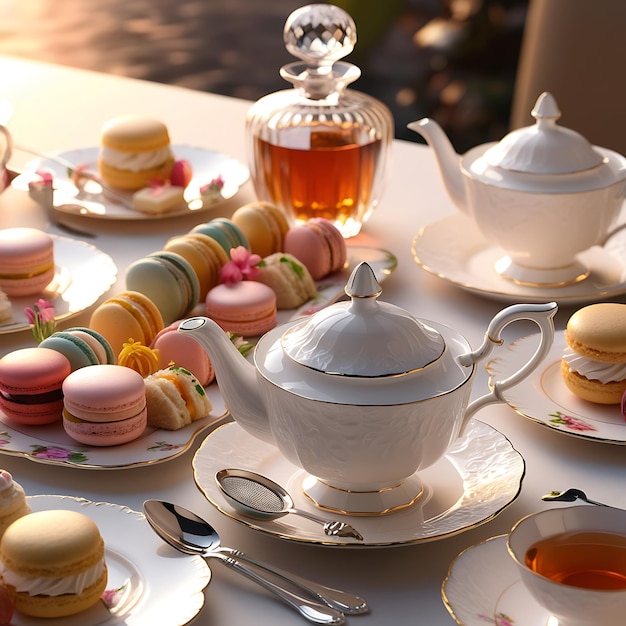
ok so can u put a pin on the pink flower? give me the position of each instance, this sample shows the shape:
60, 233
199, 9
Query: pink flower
243, 264
45, 176
573, 423
41, 318
51, 452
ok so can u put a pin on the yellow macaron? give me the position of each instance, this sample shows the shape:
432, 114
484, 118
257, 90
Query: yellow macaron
128, 315
56, 559
134, 151
593, 365
264, 226
204, 254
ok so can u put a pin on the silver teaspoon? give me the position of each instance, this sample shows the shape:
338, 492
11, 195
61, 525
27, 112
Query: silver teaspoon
570, 495
257, 496
189, 533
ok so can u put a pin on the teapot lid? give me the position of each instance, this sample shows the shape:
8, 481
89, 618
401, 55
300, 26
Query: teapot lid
363, 337
545, 147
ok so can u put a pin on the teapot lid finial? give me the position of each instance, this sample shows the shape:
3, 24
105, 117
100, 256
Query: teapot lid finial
546, 107
362, 282
363, 337
545, 147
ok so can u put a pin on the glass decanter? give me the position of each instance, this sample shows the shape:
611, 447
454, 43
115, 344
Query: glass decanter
320, 149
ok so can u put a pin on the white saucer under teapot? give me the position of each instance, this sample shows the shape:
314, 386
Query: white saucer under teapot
362, 395
543, 194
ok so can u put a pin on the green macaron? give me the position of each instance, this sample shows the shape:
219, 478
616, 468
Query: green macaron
168, 280
80, 346
225, 232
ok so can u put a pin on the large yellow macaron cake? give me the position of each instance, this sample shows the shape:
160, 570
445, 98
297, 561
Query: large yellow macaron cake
593, 365
52, 563
134, 152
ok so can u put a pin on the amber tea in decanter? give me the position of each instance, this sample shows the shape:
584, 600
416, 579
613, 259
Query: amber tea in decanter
320, 149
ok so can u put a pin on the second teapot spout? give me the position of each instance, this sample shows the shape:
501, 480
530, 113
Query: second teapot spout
236, 377
447, 159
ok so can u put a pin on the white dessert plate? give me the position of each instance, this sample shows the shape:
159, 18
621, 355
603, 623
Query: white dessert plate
149, 582
544, 398
206, 165
478, 477
483, 587
52, 445
83, 273
453, 249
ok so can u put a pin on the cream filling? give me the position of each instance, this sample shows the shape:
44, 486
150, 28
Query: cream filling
135, 161
35, 586
595, 370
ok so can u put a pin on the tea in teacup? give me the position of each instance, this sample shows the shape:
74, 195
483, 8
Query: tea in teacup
572, 561
588, 559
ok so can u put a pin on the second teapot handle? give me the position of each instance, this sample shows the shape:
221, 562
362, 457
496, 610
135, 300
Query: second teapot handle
540, 314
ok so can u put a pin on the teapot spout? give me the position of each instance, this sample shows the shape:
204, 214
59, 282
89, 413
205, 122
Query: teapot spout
236, 377
447, 159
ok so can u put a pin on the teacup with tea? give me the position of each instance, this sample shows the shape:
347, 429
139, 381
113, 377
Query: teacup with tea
573, 562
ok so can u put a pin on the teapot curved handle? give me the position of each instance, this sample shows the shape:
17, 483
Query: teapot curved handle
540, 314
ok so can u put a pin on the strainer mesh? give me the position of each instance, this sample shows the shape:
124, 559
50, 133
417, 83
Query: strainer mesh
253, 494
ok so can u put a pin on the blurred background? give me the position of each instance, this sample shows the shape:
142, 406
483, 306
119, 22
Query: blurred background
454, 60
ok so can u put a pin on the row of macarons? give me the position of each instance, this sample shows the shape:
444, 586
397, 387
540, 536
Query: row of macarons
98, 403
186, 276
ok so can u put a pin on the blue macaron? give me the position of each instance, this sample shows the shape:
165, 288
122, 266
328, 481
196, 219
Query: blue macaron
168, 280
81, 347
225, 232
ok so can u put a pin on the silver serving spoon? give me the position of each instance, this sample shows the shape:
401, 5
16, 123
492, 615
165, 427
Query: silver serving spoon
257, 496
190, 534
570, 495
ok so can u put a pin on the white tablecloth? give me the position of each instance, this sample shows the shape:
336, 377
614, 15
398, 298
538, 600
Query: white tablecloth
58, 109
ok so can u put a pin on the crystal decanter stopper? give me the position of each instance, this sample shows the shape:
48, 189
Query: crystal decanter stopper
320, 149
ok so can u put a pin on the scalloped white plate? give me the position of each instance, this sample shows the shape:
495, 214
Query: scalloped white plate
49, 443
478, 477
206, 165
544, 398
483, 587
83, 273
149, 582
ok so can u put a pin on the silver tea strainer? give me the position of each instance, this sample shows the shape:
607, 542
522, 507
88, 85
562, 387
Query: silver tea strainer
257, 496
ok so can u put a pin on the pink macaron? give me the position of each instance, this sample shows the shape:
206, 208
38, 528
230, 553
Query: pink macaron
317, 244
31, 382
175, 348
26, 261
105, 405
246, 308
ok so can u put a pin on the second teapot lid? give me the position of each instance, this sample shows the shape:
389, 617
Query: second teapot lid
545, 147
363, 337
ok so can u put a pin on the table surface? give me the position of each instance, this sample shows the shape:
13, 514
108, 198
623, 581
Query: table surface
57, 109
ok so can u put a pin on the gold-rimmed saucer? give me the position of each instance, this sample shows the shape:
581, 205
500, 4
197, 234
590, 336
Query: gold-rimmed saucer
478, 477
483, 587
453, 249
544, 398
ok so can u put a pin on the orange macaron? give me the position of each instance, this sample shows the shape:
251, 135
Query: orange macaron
264, 226
128, 315
204, 254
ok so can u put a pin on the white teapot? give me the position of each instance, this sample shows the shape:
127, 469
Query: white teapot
543, 194
361, 395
